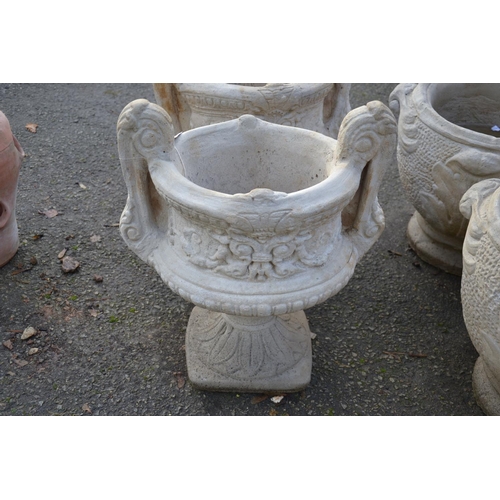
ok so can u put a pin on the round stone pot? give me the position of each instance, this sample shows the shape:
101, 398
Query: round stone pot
252, 222
11, 155
447, 141
481, 288
315, 106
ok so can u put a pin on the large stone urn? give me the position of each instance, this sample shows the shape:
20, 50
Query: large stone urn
481, 288
11, 155
252, 222
314, 106
448, 139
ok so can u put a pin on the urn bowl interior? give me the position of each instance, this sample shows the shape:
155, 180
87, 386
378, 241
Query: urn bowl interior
247, 153
475, 106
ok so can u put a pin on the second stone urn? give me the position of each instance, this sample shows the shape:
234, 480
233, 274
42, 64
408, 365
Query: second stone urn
448, 139
481, 288
253, 222
314, 106
11, 155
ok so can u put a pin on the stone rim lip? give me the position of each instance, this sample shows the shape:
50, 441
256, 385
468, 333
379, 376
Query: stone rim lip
422, 98
336, 189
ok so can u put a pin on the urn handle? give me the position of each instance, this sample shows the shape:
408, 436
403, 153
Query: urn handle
367, 144
398, 98
145, 136
336, 105
172, 101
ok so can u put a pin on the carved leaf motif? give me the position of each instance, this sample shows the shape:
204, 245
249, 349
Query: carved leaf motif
442, 204
258, 353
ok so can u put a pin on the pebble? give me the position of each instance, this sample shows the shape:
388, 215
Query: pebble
32, 351
69, 265
28, 332
8, 344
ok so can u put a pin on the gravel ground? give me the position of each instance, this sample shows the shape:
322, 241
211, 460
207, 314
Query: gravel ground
392, 342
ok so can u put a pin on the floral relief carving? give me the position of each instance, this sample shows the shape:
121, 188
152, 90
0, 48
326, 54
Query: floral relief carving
262, 253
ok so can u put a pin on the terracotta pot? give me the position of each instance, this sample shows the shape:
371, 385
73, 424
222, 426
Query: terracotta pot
315, 106
252, 222
481, 288
11, 155
447, 141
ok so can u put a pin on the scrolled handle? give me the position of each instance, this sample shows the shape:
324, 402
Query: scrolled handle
367, 143
145, 134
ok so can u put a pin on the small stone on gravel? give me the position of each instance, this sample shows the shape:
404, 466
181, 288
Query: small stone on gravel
69, 265
28, 333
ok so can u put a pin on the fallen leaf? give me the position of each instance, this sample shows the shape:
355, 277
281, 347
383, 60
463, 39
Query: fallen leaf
86, 408
33, 261
277, 399
31, 127
8, 344
93, 312
394, 354
69, 265
37, 236
180, 380
28, 333
95, 238
49, 213
392, 252
69, 237
62, 253
20, 362
273, 412
258, 399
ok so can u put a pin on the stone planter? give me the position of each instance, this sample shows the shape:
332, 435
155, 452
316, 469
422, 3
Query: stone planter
252, 222
445, 145
315, 106
481, 288
11, 155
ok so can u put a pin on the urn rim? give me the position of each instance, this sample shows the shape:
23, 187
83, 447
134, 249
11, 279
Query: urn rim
423, 97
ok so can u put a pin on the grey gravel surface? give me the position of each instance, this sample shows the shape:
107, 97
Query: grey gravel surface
392, 342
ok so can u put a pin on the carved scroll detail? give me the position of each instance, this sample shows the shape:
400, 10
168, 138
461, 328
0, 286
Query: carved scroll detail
145, 132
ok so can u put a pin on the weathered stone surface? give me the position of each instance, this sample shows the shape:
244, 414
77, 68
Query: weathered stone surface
447, 141
252, 222
481, 288
315, 106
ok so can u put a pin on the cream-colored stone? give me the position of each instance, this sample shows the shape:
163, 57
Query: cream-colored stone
447, 141
28, 333
481, 288
252, 222
315, 106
